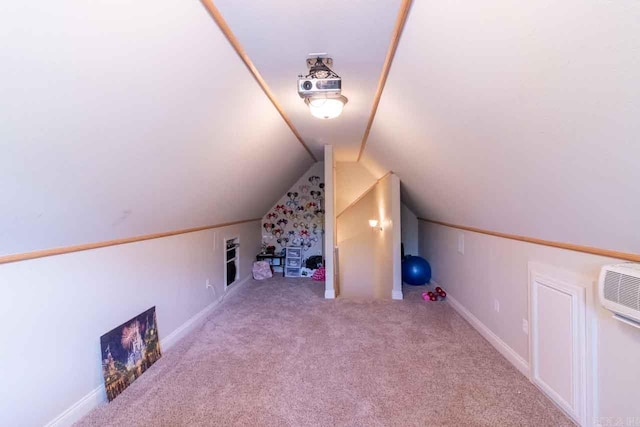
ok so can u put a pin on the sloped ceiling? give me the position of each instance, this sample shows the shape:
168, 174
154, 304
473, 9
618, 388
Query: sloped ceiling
518, 117
120, 119
279, 34
123, 118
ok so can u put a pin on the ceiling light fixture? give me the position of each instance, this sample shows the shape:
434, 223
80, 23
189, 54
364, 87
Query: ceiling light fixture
325, 107
321, 89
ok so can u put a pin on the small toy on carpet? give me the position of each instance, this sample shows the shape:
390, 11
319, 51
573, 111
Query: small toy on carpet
433, 296
429, 296
318, 274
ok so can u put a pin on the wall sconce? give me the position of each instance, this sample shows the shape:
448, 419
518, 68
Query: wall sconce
373, 223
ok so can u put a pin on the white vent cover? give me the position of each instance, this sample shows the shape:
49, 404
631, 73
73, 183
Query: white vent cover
619, 289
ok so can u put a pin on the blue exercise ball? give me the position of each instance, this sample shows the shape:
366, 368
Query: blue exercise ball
416, 271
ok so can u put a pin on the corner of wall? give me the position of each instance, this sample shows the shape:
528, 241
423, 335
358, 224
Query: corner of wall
330, 222
396, 220
380, 277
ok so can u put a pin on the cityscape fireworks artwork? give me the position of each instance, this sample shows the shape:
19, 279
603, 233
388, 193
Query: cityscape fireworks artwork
128, 351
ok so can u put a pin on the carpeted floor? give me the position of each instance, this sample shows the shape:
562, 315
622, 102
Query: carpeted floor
275, 353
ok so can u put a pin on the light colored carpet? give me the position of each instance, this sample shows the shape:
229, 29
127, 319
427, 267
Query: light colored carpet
275, 353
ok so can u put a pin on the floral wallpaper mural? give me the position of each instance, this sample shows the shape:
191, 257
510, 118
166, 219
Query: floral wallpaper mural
297, 219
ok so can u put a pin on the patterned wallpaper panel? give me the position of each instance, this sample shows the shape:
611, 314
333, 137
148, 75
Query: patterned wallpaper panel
297, 219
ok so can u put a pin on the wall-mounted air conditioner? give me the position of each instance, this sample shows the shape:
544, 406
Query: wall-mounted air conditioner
619, 289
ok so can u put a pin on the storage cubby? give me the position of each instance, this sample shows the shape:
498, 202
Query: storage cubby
231, 260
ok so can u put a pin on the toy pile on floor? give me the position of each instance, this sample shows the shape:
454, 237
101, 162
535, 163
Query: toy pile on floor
433, 296
319, 274
314, 268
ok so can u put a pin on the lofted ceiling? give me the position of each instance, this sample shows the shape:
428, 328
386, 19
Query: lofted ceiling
279, 34
121, 119
518, 117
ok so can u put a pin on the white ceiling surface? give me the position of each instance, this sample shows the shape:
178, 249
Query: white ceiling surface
278, 35
518, 117
120, 119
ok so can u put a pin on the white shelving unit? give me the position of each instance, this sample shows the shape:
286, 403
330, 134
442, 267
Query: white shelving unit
293, 262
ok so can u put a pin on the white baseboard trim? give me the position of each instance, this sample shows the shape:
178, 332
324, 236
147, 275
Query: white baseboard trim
509, 353
175, 336
98, 395
397, 295
79, 409
170, 340
330, 293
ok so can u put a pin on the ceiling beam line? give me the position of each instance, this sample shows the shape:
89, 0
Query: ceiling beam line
395, 39
226, 30
568, 246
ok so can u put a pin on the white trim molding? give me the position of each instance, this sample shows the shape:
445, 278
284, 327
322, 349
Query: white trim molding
510, 354
330, 255
236, 260
98, 396
170, 340
581, 404
396, 219
82, 407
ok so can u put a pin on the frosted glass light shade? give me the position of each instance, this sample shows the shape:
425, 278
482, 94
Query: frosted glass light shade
326, 107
